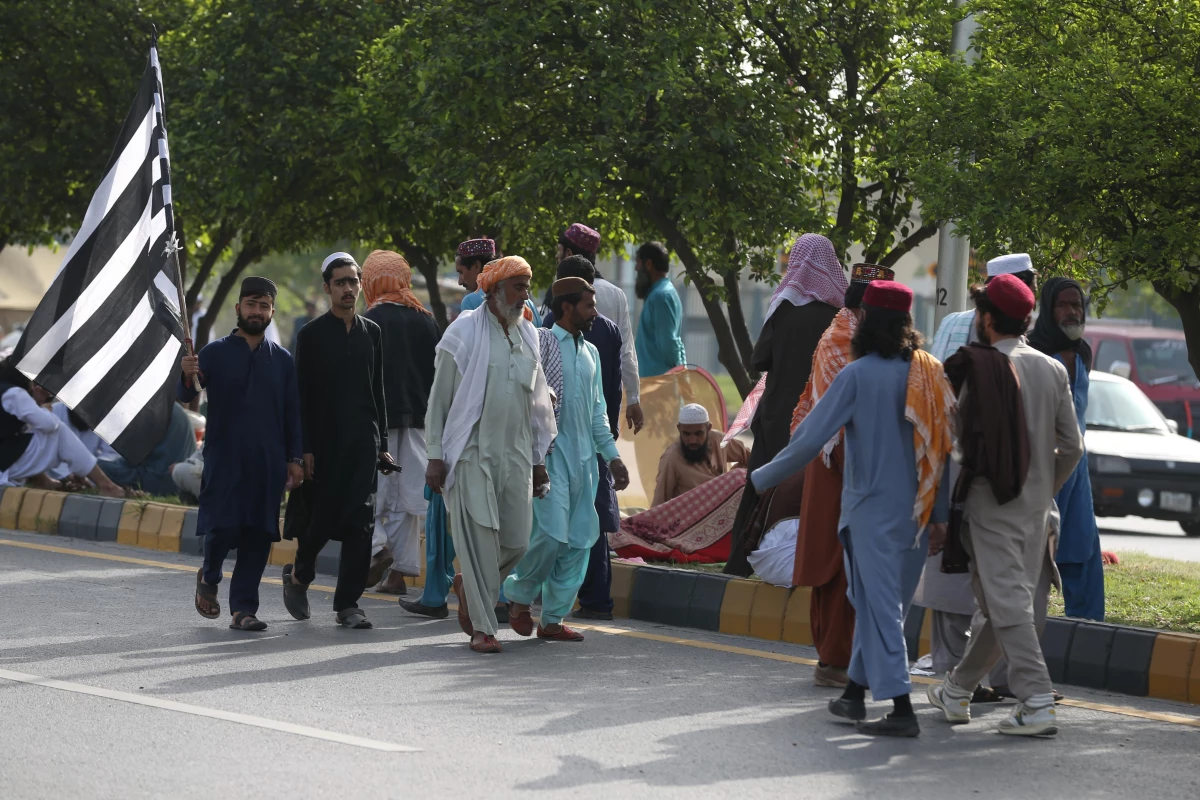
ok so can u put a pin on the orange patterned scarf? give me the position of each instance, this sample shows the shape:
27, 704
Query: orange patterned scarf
387, 278
929, 406
831, 357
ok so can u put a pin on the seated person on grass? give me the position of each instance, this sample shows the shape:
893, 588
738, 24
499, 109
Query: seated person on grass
153, 473
697, 457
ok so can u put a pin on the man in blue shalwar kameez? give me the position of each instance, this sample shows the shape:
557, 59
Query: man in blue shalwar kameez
890, 399
1059, 334
565, 523
251, 450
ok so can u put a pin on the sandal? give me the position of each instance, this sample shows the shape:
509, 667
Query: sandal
353, 618
986, 694
563, 634
488, 645
295, 595
247, 622
206, 597
521, 622
464, 616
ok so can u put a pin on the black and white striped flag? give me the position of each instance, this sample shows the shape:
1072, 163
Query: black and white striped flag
107, 337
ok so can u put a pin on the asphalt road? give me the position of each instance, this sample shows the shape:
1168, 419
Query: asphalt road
636, 710
1151, 536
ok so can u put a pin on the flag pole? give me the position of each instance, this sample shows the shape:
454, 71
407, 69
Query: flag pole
173, 245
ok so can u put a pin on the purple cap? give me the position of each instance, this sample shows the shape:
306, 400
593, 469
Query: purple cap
583, 237
476, 247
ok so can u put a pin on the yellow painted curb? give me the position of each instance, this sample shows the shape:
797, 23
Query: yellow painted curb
170, 533
766, 614
735, 608
1170, 667
31, 506
127, 527
797, 620
52, 506
149, 525
283, 552
622, 587
10, 506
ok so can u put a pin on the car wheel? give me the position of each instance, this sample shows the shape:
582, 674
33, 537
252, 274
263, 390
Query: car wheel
1191, 528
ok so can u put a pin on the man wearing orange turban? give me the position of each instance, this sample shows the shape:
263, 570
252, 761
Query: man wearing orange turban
409, 338
488, 427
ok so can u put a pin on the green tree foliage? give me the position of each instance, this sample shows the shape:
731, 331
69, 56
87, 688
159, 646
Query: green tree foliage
68, 72
1075, 137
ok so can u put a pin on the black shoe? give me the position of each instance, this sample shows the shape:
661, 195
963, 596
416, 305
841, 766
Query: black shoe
295, 595
417, 607
502, 614
586, 613
853, 710
891, 726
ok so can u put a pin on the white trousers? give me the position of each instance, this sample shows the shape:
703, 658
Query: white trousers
400, 501
48, 450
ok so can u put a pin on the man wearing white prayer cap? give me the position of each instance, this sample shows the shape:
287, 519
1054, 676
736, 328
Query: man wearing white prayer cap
696, 457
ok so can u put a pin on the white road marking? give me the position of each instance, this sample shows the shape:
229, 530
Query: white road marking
211, 713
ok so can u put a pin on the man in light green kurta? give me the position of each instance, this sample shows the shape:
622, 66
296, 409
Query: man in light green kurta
565, 522
486, 436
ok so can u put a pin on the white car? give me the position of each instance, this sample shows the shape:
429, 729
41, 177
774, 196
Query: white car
1139, 465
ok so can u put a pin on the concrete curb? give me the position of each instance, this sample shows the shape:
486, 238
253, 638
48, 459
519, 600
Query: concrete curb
1133, 661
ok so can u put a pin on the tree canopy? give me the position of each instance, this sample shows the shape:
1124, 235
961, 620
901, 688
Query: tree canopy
1073, 136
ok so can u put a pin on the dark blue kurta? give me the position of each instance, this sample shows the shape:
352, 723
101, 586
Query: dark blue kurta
253, 431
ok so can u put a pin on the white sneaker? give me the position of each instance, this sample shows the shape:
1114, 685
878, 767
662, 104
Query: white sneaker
1026, 721
954, 703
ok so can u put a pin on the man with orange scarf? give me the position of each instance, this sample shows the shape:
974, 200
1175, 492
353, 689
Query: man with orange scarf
489, 424
895, 405
819, 561
409, 338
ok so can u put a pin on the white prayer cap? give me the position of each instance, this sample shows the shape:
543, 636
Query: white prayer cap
693, 414
1010, 264
338, 256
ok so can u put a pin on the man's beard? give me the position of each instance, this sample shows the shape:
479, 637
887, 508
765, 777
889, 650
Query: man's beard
512, 313
1073, 331
253, 327
695, 455
643, 285
980, 330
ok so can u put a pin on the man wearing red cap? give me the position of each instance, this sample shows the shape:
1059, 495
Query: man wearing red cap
895, 406
1018, 443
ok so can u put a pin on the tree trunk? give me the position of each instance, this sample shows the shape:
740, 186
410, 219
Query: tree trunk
1188, 305
733, 301
427, 264
223, 238
250, 253
727, 349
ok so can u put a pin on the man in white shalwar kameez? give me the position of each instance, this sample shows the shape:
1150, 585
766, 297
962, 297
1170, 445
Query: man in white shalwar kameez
488, 427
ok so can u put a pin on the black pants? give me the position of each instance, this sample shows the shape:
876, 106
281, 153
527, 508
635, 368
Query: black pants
253, 551
596, 592
352, 568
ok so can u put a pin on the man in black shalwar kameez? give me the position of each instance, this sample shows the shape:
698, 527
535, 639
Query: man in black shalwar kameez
344, 426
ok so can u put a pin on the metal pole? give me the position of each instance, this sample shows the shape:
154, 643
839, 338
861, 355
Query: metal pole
954, 251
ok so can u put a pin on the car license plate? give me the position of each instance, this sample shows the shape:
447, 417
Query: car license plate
1175, 501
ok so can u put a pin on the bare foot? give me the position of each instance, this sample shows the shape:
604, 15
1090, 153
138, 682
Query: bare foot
43, 481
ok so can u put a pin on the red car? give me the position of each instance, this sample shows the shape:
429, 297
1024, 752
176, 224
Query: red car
1156, 360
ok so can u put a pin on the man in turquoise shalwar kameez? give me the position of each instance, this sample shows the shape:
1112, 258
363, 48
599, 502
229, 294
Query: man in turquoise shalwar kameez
565, 523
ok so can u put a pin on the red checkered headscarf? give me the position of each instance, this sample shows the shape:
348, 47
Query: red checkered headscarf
814, 274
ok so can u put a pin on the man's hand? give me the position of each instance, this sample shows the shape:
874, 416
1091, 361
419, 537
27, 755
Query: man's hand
295, 476
309, 467
386, 458
620, 474
937, 537
191, 369
541, 478
634, 418
435, 475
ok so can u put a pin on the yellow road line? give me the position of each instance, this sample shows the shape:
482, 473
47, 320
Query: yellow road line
211, 713
1158, 716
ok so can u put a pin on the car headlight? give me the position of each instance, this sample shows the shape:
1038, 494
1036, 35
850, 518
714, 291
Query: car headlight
1112, 465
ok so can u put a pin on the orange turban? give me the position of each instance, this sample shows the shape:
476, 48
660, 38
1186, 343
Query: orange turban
501, 270
387, 278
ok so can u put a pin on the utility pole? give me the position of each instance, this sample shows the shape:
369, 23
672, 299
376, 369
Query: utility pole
954, 252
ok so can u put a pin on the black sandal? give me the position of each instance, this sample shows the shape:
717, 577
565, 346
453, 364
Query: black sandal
206, 595
295, 595
353, 618
986, 694
247, 622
